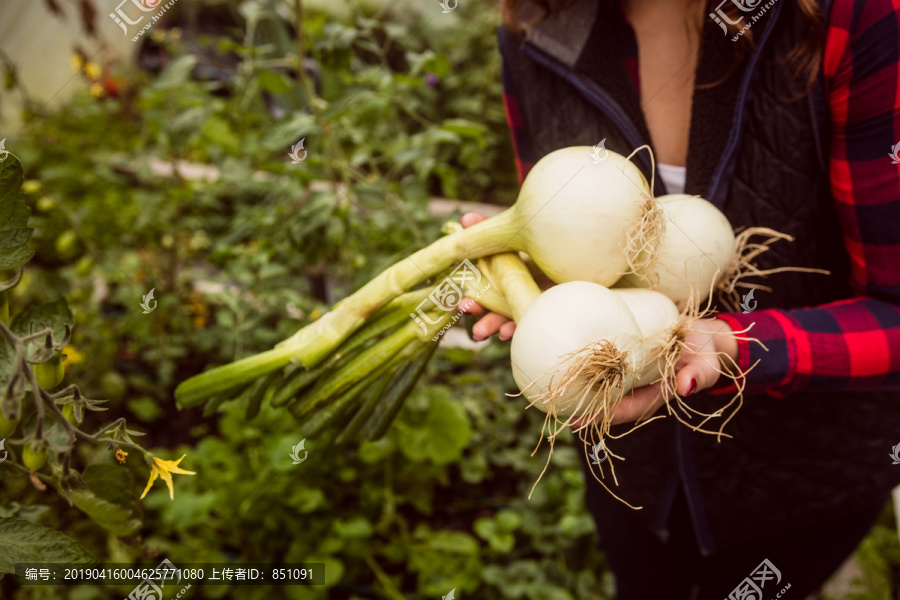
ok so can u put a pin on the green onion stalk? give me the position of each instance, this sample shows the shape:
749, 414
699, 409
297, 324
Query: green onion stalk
318, 340
390, 367
362, 390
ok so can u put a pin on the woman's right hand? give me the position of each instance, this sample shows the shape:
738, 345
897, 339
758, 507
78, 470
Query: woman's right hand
490, 323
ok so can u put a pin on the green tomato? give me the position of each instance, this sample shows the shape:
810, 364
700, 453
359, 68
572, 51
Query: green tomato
84, 266
68, 412
45, 204
7, 426
4, 308
67, 243
31, 186
34, 459
50, 373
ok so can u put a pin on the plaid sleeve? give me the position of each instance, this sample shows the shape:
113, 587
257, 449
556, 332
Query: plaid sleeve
520, 139
852, 344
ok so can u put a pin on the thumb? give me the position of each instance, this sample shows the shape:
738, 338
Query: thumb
696, 375
469, 219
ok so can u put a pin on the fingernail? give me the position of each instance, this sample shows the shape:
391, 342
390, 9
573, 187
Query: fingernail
693, 387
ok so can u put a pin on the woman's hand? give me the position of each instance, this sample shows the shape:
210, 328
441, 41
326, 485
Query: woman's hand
489, 323
697, 369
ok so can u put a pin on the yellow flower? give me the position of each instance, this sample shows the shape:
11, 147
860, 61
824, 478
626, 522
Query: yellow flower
120, 456
164, 469
197, 307
77, 62
92, 71
96, 90
73, 356
315, 314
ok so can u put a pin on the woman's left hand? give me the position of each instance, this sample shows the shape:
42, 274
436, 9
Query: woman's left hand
697, 369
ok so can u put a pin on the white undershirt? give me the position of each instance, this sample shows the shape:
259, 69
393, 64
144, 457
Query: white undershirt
673, 177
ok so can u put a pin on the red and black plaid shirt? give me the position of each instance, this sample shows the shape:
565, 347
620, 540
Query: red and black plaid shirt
853, 344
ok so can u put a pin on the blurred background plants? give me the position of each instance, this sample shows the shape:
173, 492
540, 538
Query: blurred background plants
241, 248
170, 171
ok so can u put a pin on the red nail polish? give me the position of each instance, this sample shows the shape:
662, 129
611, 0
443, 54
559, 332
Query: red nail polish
693, 387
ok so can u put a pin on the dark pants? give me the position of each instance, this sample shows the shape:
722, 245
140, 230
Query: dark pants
648, 569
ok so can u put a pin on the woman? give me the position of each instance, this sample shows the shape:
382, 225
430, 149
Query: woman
783, 115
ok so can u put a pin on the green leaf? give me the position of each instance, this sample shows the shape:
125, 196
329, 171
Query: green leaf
290, 131
30, 512
336, 36
110, 482
7, 362
442, 436
454, 542
444, 559
274, 83
23, 541
110, 489
116, 518
55, 315
573, 526
218, 132
464, 128
428, 62
498, 531
500, 541
14, 214
190, 509
398, 31
306, 500
356, 528
145, 409
178, 72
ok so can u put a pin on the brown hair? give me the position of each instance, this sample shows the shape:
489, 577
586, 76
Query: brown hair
804, 59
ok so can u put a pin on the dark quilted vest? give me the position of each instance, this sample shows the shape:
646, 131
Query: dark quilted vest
762, 158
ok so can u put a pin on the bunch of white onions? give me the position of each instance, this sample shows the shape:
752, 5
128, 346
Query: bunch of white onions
631, 271
678, 251
582, 345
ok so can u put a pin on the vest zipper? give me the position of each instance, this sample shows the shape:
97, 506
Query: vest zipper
725, 169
